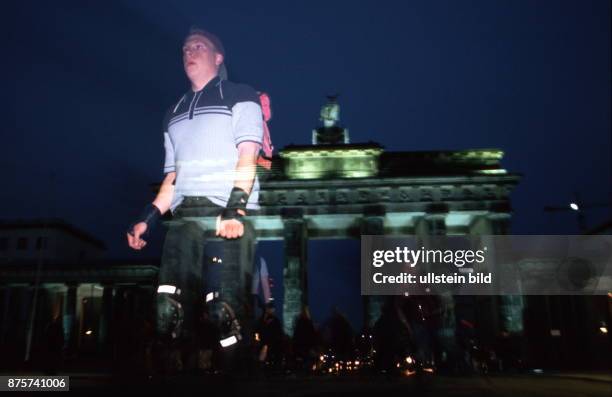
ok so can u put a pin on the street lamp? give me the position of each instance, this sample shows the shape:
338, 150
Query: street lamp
578, 206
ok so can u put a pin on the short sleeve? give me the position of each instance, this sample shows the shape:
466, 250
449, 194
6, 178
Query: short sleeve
169, 165
247, 118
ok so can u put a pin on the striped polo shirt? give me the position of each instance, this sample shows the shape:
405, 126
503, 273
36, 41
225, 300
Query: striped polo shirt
201, 136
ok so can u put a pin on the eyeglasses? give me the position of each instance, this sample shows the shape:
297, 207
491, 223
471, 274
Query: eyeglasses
195, 48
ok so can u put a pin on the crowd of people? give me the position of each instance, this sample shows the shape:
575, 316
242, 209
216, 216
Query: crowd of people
404, 336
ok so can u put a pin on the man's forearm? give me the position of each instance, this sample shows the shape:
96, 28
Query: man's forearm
166, 193
247, 165
245, 172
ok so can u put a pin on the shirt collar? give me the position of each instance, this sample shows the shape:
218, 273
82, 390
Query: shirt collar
213, 82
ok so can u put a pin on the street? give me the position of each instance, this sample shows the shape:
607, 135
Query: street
503, 385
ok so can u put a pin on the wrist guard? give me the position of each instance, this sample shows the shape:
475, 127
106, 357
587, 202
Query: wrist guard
150, 214
237, 201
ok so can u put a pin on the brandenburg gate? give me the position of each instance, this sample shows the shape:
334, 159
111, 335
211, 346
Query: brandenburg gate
334, 189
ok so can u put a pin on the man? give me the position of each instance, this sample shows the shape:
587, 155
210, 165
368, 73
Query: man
212, 138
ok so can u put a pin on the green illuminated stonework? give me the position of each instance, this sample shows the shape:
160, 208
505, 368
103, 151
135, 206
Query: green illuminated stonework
340, 161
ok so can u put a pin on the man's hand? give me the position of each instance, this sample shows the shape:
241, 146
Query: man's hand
230, 228
134, 239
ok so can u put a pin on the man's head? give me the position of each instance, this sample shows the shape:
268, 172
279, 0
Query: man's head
203, 54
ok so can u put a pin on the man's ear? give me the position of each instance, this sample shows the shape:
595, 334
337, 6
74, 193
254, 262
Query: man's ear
218, 59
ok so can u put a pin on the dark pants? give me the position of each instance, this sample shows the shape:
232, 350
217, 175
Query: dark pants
189, 258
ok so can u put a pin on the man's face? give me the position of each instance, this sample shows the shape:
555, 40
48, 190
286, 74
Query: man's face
200, 59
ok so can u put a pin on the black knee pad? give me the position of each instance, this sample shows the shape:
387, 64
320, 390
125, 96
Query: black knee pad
225, 320
170, 316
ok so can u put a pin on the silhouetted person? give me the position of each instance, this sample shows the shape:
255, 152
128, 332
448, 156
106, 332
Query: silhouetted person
391, 337
339, 335
271, 335
364, 343
418, 312
304, 339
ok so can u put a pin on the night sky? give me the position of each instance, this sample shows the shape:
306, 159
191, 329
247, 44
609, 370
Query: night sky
86, 86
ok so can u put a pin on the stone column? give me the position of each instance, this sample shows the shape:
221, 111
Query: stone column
25, 300
500, 318
131, 298
119, 326
106, 313
295, 276
145, 302
372, 224
426, 227
140, 304
486, 306
70, 324
511, 306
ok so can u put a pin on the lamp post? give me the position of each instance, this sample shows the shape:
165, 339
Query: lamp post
578, 206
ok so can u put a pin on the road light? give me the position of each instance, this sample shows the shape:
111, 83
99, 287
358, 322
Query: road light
578, 206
